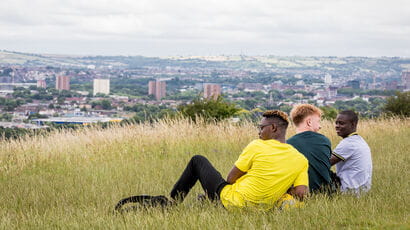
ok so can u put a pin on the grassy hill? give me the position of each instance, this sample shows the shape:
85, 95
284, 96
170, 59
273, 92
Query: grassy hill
340, 65
72, 179
27, 59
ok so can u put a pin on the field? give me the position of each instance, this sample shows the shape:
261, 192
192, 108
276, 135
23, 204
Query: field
72, 179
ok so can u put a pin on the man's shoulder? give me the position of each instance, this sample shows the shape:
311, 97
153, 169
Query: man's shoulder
354, 140
302, 158
298, 137
352, 144
308, 136
360, 143
319, 136
253, 144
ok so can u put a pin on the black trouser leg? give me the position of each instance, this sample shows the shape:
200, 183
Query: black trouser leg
199, 168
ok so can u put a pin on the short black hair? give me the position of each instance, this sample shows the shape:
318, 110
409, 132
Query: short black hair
280, 118
351, 115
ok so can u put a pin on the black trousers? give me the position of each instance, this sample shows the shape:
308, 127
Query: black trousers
199, 168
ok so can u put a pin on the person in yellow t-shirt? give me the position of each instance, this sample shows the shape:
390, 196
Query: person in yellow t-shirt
265, 171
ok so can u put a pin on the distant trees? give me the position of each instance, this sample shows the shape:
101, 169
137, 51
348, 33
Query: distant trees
149, 112
209, 109
6, 117
36, 93
373, 92
329, 113
129, 86
105, 104
373, 108
13, 133
35, 116
10, 104
101, 95
187, 95
399, 104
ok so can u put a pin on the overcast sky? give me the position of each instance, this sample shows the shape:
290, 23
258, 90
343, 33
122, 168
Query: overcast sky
207, 27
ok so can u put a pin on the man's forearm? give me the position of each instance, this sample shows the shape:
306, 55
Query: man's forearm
334, 159
234, 175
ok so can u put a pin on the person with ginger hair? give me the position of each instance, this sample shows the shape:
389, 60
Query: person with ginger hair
315, 146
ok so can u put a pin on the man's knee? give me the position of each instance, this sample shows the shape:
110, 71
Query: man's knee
198, 158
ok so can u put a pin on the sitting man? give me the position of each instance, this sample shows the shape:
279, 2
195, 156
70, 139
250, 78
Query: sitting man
316, 147
352, 155
266, 169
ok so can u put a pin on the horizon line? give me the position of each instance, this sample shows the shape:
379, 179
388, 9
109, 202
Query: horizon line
216, 55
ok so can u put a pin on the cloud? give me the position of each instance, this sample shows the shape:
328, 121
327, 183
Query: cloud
331, 27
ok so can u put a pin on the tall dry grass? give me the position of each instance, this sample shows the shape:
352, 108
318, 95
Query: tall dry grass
72, 179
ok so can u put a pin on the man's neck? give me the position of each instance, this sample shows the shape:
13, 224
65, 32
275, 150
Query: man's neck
302, 129
281, 139
352, 134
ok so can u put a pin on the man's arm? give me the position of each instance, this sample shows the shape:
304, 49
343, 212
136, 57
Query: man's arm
234, 174
300, 191
334, 159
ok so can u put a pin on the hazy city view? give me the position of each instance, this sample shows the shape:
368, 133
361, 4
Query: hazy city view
273, 114
60, 63
38, 89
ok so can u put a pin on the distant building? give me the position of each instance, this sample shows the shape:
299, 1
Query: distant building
101, 86
328, 79
41, 83
151, 87
373, 84
212, 91
391, 85
321, 94
63, 83
332, 91
250, 87
354, 84
300, 83
76, 120
157, 88
405, 79
277, 85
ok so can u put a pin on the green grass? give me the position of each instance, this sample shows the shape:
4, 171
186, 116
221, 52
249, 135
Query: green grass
72, 179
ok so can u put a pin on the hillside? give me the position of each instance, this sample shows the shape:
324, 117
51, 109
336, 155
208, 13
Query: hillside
259, 63
72, 179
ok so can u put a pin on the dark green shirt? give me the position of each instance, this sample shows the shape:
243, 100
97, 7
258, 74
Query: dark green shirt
317, 149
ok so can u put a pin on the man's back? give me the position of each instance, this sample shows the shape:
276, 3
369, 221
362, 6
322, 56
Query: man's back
271, 168
317, 149
355, 169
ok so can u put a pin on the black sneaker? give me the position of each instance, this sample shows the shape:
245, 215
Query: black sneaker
142, 201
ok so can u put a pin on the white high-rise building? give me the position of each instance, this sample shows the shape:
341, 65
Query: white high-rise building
328, 79
101, 86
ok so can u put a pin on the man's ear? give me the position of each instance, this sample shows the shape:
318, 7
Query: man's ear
274, 127
309, 122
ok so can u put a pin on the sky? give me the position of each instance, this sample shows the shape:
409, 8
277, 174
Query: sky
207, 27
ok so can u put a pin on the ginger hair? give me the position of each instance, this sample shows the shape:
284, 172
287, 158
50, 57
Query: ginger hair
300, 112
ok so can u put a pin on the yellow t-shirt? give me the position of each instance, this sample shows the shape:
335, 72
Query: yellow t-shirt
271, 169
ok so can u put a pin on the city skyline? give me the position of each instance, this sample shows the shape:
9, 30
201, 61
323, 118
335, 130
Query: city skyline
170, 28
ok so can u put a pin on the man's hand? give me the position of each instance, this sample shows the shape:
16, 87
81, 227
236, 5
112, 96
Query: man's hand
234, 175
300, 192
